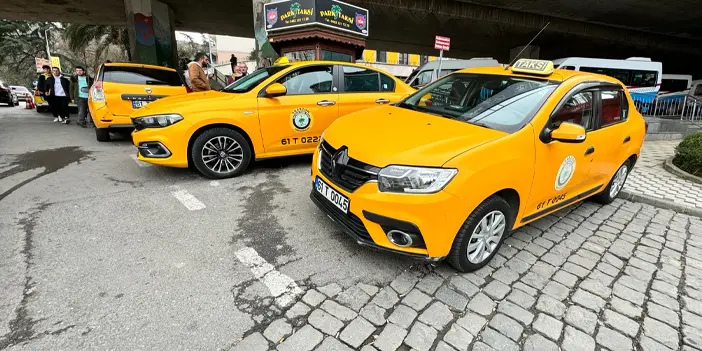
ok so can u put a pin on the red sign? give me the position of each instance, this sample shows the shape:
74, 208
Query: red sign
442, 43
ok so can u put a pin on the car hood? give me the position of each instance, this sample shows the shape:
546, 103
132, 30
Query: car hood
393, 135
184, 103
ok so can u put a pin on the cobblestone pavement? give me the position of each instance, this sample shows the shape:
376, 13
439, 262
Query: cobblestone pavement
619, 277
649, 178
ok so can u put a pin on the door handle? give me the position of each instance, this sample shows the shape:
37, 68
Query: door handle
326, 103
589, 150
382, 101
627, 139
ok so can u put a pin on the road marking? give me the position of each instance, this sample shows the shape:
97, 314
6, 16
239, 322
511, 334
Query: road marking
188, 200
140, 162
282, 287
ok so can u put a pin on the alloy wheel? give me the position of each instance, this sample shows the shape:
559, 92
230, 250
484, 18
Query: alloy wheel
486, 237
618, 181
222, 154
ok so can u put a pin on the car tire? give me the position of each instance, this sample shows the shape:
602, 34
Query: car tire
493, 208
615, 186
210, 163
102, 134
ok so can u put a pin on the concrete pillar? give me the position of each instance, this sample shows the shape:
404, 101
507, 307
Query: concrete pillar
529, 52
151, 32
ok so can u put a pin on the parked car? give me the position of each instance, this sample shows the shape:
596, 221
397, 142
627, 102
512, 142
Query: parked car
7, 96
123, 88
23, 94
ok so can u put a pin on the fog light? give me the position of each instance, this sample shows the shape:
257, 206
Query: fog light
400, 238
153, 149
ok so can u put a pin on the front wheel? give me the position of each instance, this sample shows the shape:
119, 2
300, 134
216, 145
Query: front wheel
221, 153
615, 186
102, 134
481, 235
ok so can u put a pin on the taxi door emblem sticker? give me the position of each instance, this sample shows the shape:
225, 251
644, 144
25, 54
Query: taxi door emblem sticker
301, 119
565, 172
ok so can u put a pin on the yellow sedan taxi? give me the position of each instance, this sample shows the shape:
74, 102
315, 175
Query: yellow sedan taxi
277, 111
450, 171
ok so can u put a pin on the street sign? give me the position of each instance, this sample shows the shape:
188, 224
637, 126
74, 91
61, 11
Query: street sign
442, 43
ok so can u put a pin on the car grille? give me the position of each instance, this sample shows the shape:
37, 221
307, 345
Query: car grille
351, 224
354, 174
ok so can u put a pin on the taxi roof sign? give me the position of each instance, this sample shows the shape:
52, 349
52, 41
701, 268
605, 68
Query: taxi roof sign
531, 66
281, 61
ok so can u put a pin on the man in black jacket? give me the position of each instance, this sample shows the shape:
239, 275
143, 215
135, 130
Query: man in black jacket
80, 88
59, 91
42, 89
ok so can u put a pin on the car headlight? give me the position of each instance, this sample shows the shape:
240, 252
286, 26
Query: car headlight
416, 180
158, 121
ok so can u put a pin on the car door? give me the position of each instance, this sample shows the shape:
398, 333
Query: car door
610, 139
363, 88
561, 169
293, 123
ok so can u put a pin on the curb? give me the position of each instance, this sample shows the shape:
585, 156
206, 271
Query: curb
653, 201
670, 167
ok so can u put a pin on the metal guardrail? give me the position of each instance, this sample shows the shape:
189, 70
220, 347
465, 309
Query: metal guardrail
685, 107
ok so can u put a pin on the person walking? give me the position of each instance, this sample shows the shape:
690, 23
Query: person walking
80, 87
196, 73
233, 62
59, 91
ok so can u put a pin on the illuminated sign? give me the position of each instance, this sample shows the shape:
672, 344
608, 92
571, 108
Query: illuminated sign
530, 66
328, 13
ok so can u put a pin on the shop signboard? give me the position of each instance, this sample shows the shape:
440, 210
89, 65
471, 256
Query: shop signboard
329, 13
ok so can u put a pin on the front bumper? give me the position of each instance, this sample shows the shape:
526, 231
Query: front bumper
172, 140
436, 217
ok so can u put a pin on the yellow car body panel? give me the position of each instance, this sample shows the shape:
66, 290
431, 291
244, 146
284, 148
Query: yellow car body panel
266, 121
488, 162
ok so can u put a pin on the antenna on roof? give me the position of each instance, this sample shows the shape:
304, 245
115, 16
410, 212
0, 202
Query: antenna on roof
527, 45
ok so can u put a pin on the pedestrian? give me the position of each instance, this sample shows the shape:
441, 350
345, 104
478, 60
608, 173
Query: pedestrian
196, 73
59, 92
42, 88
80, 87
233, 62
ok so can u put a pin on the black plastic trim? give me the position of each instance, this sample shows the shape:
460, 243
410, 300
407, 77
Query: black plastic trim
589, 150
563, 204
142, 97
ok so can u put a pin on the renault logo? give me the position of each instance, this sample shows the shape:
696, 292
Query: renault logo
339, 160
147, 90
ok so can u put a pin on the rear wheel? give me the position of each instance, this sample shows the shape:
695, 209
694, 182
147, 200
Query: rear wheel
615, 186
481, 235
102, 134
221, 153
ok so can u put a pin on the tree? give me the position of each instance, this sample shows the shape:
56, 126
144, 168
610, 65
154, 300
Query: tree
20, 43
81, 36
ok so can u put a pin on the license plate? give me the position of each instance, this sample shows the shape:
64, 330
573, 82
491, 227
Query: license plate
139, 104
340, 201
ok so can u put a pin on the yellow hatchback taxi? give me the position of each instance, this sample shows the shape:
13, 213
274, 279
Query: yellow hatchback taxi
277, 111
449, 171
122, 88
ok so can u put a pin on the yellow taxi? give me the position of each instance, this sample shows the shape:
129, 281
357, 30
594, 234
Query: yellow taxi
277, 111
450, 171
122, 88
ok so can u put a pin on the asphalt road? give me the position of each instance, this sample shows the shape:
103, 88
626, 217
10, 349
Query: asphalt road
99, 252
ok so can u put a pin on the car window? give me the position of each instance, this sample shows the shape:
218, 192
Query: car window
357, 79
578, 109
141, 76
250, 81
493, 101
613, 107
308, 80
386, 83
423, 77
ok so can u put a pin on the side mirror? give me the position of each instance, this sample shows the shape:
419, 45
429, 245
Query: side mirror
276, 89
568, 132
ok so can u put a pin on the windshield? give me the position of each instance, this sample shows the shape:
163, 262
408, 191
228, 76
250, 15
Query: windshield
250, 81
498, 102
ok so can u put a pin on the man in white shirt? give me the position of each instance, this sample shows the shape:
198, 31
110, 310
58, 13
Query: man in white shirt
59, 88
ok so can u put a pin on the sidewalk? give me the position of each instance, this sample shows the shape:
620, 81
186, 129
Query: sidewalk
650, 180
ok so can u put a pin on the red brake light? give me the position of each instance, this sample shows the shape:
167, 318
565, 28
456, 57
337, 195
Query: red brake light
98, 94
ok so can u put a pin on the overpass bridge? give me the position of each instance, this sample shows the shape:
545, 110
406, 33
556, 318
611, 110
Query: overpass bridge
669, 32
